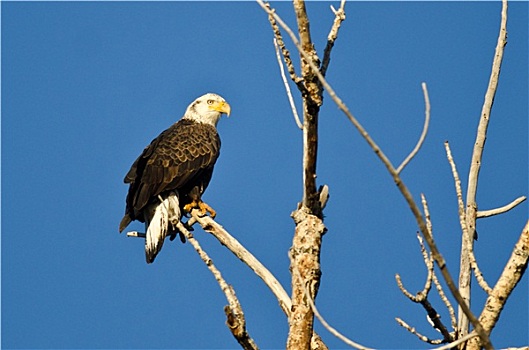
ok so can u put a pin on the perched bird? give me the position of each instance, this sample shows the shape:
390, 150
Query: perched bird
172, 173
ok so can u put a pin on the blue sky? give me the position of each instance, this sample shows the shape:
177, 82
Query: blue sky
87, 85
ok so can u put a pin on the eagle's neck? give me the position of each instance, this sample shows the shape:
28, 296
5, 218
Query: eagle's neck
211, 117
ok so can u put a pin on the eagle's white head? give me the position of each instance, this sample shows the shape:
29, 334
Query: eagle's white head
207, 109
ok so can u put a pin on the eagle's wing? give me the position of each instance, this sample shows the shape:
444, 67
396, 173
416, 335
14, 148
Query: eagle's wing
171, 160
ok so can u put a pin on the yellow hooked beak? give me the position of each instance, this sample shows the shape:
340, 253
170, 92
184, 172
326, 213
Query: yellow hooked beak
222, 107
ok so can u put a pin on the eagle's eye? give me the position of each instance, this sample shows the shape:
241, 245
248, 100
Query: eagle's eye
210, 102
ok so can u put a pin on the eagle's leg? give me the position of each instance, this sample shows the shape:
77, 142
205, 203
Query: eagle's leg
201, 206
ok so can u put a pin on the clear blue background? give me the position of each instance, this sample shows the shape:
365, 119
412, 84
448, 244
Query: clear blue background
87, 85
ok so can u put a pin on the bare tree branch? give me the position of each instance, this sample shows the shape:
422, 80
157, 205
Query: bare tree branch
422, 296
286, 54
312, 100
414, 298
333, 34
433, 317
444, 299
412, 330
475, 165
236, 322
287, 87
436, 322
424, 130
311, 91
501, 210
428, 261
463, 222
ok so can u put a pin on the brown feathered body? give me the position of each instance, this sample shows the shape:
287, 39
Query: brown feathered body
180, 159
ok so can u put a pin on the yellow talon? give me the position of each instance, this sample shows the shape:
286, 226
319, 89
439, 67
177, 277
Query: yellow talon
202, 207
188, 207
206, 208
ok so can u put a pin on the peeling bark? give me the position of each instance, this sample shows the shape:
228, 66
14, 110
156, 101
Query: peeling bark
306, 273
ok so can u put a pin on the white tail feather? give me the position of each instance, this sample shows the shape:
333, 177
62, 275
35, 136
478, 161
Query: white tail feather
160, 217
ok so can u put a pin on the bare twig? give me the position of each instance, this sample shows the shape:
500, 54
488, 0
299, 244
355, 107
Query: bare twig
428, 261
436, 322
287, 87
400, 184
424, 130
136, 234
445, 300
463, 222
422, 296
412, 330
501, 210
475, 165
333, 34
433, 316
429, 264
236, 321
414, 298
286, 54
487, 106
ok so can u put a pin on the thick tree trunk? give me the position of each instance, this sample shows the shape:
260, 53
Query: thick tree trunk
305, 251
305, 270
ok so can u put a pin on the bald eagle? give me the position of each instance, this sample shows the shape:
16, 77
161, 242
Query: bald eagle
171, 174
